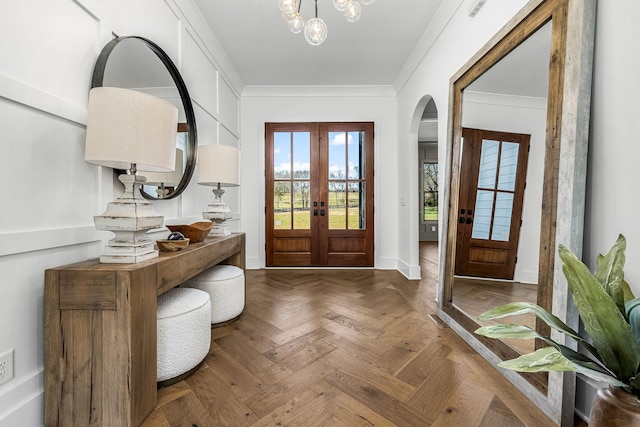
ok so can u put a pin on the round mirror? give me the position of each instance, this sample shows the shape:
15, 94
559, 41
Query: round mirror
140, 64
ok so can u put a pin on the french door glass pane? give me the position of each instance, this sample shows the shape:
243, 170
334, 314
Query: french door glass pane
282, 205
356, 206
301, 155
482, 218
488, 164
281, 155
337, 205
301, 209
355, 154
502, 217
508, 166
337, 155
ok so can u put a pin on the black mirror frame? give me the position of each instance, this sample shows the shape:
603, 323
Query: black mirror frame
192, 143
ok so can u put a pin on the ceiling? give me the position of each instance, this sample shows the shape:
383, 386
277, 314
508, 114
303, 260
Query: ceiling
523, 72
370, 51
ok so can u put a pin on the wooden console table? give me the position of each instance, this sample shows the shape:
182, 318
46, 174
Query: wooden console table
100, 333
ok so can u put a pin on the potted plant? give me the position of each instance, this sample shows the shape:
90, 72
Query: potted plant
611, 317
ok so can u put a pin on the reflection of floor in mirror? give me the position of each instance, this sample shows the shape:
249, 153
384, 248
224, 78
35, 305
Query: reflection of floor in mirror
475, 296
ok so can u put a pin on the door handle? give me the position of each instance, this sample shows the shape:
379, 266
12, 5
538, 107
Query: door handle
321, 212
315, 212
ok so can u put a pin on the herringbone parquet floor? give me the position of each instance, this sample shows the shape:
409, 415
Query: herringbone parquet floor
342, 348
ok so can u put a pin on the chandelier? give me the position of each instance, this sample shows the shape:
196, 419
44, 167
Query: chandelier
315, 29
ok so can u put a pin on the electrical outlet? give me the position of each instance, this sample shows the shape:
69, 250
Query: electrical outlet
6, 366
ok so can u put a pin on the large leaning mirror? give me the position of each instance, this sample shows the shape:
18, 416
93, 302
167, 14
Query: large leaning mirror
140, 64
518, 134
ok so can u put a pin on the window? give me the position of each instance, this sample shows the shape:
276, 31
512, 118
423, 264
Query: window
429, 191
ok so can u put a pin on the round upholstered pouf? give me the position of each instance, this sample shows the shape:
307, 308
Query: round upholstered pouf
225, 286
184, 331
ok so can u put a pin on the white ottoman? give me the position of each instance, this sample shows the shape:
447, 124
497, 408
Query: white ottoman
225, 286
184, 332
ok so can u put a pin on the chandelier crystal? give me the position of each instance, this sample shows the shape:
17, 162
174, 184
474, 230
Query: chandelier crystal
341, 5
353, 10
315, 29
296, 24
288, 8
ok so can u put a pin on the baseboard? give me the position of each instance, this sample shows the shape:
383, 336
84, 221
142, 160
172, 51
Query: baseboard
586, 390
22, 403
254, 264
411, 272
386, 264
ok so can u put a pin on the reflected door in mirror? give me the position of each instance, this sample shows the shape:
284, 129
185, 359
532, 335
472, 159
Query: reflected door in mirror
493, 168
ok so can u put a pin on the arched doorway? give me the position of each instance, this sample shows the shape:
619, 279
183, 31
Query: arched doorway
428, 173
424, 132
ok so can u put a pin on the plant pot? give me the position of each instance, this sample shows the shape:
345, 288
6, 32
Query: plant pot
613, 407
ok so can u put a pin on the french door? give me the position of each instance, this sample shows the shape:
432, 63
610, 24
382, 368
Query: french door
319, 194
492, 182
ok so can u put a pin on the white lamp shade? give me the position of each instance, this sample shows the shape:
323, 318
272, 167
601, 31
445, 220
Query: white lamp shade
218, 164
125, 127
167, 178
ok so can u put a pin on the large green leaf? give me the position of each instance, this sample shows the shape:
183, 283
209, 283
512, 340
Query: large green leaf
550, 359
513, 331
543, 360
632, 310
610, 274
518, 308
605, 324
508, 331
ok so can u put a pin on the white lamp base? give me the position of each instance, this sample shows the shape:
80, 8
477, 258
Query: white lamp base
129, 217
218, 213
220, 229
129, 247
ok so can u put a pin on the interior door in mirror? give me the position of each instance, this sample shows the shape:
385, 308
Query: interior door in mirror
492, 185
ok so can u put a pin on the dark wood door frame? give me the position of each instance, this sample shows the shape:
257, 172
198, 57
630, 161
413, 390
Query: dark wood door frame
320, 245
488, 257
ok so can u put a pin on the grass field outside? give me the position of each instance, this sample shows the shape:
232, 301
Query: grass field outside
430, 213
302, 219
338, 213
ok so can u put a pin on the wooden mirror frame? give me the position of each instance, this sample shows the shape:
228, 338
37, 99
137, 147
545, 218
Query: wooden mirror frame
192, 138
569, 98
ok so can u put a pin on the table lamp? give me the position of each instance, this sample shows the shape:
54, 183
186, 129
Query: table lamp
218, 165
134, 131
162, 180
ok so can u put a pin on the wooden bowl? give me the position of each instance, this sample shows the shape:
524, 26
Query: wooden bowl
196, 232
166, 245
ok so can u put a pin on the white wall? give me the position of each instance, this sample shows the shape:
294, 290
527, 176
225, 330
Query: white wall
262, 105
523, 115
612, 191
448, 44
50, 194
613, 196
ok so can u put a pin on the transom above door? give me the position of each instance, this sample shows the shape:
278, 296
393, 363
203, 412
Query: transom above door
319, 194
